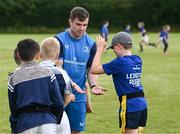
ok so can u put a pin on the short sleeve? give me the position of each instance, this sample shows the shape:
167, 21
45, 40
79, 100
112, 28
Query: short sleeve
113, 67
61, 48
92, 54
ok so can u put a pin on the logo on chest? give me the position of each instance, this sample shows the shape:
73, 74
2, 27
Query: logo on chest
66, 45
85, 49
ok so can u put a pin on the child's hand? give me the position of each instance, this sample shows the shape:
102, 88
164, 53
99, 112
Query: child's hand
68, 98
77, 88
100, 43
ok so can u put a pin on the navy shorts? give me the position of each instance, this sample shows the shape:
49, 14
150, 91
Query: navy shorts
135, 119
77, 116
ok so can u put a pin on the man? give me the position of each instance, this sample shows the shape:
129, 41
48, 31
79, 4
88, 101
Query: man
77, 53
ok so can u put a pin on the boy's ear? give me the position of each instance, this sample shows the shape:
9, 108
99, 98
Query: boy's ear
19, 57
120, 46
37, 56
57, 55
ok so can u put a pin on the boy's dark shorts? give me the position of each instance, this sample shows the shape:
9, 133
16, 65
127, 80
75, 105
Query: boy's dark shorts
135, 119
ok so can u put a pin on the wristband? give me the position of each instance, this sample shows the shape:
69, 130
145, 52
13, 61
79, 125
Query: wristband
93, 86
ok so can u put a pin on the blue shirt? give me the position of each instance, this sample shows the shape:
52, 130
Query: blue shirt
164, 35
127, 31
104, 32
142, 31
28, 86
126, 72
77, 55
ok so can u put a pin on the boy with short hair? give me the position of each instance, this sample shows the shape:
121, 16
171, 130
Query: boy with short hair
16, 58
163, 37
35, 101
104, 31
144, 36
49, 52
126, 71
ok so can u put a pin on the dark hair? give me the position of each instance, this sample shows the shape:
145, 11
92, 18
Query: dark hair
16, 58
27, 49
80, 13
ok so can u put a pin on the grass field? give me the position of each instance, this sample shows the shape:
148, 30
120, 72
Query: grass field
161, 80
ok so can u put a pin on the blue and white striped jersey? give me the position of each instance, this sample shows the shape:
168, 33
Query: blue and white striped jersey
32, 85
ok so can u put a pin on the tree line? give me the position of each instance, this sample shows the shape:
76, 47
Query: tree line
55, 13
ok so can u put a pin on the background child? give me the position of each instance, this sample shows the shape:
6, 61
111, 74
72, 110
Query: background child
144, 36
126, 71
104, 31
35, 102
163, 37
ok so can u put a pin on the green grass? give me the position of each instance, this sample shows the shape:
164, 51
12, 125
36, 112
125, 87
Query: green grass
161, 81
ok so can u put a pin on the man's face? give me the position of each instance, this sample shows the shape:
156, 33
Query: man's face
78, 28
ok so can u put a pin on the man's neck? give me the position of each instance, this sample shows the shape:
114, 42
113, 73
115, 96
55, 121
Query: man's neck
72, 35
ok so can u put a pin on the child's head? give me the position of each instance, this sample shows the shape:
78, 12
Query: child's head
28, 49
128, 27
140, 24
50, 48
106, 23
16, 58
121, 41
167, 27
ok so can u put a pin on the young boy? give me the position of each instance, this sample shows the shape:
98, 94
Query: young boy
16, 59
49, 52
163, 37
144, 36
128, 29
104, 31
35, 101
126, 71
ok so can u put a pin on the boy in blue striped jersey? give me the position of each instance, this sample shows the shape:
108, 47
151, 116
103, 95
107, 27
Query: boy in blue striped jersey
35, 101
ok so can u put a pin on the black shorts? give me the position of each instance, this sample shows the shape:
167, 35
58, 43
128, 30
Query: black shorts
135, 119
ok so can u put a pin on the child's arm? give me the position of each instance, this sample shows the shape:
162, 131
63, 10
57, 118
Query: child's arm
68, 98
77, 88
12, 105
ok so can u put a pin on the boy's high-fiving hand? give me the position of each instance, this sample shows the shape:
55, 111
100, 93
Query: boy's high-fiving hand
100, 42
